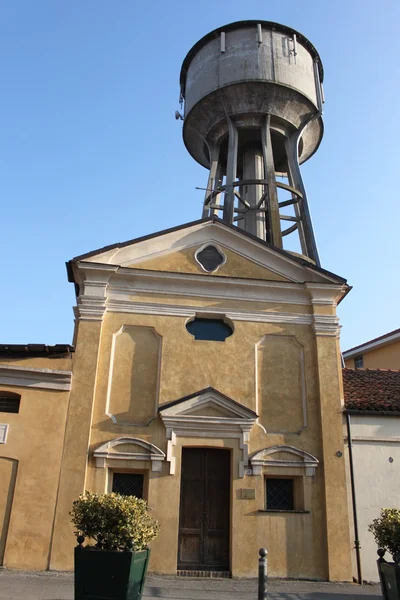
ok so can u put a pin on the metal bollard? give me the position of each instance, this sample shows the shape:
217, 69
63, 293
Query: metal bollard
262, 574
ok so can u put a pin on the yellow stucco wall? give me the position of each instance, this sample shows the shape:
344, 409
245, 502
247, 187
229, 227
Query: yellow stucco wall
33, 449
384, 357
185, 262
187, 366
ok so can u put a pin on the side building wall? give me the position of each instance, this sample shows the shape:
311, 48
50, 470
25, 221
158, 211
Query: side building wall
30, 458
384, 357
376, 458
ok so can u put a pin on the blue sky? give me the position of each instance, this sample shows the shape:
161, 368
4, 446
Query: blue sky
90, 152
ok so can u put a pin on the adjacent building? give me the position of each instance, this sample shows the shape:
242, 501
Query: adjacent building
372, 429
382, 352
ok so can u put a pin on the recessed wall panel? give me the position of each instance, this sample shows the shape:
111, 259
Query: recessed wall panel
281, 394
134, 375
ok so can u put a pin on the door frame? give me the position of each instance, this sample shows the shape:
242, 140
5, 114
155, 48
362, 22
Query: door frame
205, 446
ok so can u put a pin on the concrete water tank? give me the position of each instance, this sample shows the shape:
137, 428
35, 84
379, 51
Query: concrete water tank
252, 93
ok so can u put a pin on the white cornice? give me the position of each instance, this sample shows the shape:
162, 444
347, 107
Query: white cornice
326, 295
326, 325
134, 281
118, 289
46, 379
148, 308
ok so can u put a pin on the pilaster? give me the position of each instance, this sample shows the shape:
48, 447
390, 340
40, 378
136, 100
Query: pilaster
336, 507
76, 443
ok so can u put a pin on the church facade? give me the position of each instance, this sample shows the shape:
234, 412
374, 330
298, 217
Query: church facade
152, 379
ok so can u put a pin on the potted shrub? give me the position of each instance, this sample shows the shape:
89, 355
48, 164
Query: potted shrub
386, 531
118, 529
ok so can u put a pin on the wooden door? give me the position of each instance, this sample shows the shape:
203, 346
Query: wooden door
204, 510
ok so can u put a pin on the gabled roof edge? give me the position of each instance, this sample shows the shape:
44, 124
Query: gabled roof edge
213, 219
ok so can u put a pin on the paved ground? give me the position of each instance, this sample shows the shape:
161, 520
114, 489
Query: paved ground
20, 585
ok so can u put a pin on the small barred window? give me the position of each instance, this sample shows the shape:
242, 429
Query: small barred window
128, 484
280, 494
9, 402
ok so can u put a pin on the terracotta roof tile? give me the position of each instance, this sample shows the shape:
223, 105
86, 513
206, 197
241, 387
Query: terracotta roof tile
371, 390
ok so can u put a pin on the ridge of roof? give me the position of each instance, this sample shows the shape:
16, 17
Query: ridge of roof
212, 219
377, 339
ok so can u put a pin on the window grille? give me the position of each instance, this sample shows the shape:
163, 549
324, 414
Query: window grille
280, 494
9, 402
128, 484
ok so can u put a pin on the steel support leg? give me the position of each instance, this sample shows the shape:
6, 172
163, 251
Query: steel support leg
214, 158
253, 168
231, 171
310, 245
274, 234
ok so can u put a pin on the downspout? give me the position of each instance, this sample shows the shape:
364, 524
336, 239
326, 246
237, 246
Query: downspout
354, 501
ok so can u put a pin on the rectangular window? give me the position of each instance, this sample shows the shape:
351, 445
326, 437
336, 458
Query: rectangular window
9, 402
128, 484
358, 362
279, 494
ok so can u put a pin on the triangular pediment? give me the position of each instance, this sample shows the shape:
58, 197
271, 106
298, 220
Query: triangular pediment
174, 250
208, 404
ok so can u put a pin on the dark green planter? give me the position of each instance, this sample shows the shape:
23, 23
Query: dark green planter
101, 575
389, 575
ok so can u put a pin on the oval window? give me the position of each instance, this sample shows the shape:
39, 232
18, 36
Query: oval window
213, 330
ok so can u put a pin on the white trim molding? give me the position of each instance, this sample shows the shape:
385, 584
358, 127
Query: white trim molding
3, 432
326, 325
141, 450
31, 377
173, 310
298, 459
184, 418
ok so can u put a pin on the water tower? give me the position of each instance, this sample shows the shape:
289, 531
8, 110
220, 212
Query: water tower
253, 103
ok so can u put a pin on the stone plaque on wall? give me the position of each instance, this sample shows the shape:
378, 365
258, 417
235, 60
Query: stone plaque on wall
248, 494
